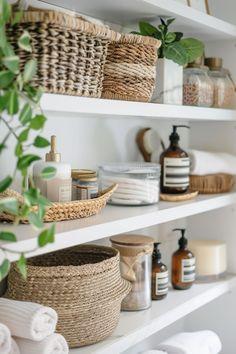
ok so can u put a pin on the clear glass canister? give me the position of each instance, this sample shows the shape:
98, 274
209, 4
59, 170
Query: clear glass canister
84, 184
224, 88
136, 267
138, 183
198, 88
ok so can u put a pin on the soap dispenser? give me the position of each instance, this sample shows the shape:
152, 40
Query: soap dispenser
58, 188
183, 265
159, 275
175, 166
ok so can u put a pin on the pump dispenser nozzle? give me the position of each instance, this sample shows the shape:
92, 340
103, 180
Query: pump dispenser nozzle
183, 240
52, 155
156, 252
174, 137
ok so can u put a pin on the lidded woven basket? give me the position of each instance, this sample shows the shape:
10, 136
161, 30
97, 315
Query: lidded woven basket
130, 68
83, 284
70, 52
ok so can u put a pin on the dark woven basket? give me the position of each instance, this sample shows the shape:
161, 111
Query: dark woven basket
130, 68
83, 284
70, 52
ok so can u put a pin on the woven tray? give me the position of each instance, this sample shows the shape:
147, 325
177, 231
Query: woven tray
82, 284
70, 52
64, 211
130, 68
212, 184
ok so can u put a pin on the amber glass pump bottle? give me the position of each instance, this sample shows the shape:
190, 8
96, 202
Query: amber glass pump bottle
175, 166
159, 275
183, 265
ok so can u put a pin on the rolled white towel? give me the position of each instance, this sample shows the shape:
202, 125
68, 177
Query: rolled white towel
206, 163
53, 344
14, 347
27, 319
5, 339
204, 342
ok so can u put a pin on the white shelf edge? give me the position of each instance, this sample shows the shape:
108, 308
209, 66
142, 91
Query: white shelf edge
135, 327
102, 108
112, 221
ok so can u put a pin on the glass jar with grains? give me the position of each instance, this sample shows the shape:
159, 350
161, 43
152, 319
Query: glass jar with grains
224, 87
198, 88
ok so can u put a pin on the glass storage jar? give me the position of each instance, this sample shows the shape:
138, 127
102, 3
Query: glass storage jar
198, 88
84, 184
136, 267
224, 88
138, 183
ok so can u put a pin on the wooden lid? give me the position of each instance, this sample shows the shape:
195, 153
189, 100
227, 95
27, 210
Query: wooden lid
131, 240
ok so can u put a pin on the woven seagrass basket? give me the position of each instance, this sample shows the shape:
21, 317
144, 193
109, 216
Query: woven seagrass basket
130, 68
212, 184
70, 52
63, 211
83, 284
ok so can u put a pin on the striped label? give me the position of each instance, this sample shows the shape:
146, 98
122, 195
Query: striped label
162, 283
188, 270
176, 172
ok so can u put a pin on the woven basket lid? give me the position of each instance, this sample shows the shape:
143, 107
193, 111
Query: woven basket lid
132, 245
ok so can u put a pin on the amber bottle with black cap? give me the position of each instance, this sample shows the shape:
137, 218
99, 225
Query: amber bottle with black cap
183, 265
175, 166
159, 275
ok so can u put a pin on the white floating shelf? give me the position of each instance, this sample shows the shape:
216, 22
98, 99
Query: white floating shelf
95, 107
124, 12
136, 326
112, 221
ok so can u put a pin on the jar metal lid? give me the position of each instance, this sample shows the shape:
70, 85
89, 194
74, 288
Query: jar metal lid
78, 174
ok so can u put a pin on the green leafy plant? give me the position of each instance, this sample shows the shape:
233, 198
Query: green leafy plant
174, 47
22, 118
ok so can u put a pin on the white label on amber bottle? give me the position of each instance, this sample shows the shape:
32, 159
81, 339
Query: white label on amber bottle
188, 270
162, 283
176, 172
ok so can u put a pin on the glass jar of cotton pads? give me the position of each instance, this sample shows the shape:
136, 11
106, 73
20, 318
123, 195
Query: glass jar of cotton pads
138, 183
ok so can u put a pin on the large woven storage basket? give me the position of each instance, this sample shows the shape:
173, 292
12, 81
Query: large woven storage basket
82, 284
130, 68
70, 52
212, 184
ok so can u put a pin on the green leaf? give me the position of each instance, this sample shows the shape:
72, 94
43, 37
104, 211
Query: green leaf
6, 78
194, 48
9, 205
2, 147
169, 21
178, 36
25, 114
11, 63
34, 93
46, 236
16, 17
5, 183
4, 269
12, 102
41, 142
38, 122
35, 220
5, 11
25, 161
8, 50
21, 265
7, 236
3, 102
23, 136
176, 52
48, 172
24, 42
146, 29
18, 149
30, 70
170, 37
31, 196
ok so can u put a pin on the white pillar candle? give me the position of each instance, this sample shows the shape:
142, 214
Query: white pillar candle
211, 257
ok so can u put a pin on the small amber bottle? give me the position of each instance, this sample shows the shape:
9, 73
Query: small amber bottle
183, 265
159, 275
175, 166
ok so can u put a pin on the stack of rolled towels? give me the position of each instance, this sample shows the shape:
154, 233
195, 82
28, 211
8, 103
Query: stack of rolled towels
202, 342
29, 328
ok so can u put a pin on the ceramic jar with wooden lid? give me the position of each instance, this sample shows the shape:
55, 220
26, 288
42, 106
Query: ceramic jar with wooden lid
136, 267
